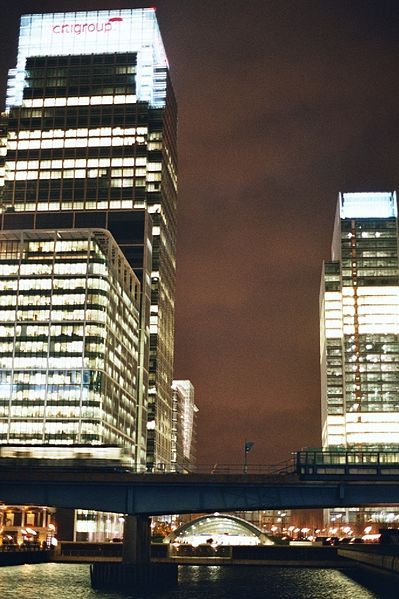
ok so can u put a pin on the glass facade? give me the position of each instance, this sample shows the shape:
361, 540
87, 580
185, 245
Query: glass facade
360, 325
184, 429
132, 231
95, 32
91, 126
69, 323
98, 527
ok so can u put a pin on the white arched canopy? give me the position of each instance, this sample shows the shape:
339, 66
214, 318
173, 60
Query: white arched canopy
218, 529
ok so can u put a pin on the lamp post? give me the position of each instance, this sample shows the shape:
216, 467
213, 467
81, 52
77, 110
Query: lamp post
247, 448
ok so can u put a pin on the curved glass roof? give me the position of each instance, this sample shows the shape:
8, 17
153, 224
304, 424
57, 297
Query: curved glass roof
219, 527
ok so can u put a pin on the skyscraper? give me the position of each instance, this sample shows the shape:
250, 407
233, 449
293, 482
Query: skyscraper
184, 428
69, 327
359, 309
91, 131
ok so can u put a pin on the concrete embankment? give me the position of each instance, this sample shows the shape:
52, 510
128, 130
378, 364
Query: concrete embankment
384, 558
275, 555
69, 551
291, 556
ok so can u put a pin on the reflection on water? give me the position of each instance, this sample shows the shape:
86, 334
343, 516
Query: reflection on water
71, 581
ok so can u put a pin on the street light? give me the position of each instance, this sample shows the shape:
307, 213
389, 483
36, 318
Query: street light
247, 448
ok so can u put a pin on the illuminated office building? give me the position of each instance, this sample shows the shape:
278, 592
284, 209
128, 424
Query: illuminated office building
69, 339
184, 427
132, 230
360, 325
92, 128
359, 310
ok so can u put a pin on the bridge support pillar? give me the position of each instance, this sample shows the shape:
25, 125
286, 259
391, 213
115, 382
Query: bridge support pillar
135, 572
136, 540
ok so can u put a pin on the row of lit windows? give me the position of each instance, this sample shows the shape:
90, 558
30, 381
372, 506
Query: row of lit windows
365, 272
46, 206
60, 245
55, 397
337, 409
370, 261
41, 346
17, 249
370, 390
128, 326
93, 142
80, 100
54, 347
20, 300
109, 437
59, 315
61, 399
118, 375
42, 84
51, 427
92, 173
380, 235
91, 163
372, 363
377, 347
80, 132
71, 331
385, 252
37, 361
51, 413
74, 76
86, 163
59, 376
66, 173
369, 361
382, 344
65, 69
59, 268
54, 284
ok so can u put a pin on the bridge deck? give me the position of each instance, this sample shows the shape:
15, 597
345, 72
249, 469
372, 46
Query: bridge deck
131, 493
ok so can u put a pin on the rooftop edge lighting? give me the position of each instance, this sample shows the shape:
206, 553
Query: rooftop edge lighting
368, 205
95, 32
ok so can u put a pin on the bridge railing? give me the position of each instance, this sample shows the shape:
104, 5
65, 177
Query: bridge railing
279, 469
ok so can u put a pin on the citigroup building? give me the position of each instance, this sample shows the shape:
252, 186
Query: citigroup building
87, 317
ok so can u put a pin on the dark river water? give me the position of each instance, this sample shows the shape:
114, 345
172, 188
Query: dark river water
71, 581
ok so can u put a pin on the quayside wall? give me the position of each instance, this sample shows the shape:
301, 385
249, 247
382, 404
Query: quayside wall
19, 557
384, 558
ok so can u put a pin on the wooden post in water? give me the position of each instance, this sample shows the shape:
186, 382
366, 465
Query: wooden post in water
136, 540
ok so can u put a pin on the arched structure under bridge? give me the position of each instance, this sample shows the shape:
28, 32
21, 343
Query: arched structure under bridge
218, 529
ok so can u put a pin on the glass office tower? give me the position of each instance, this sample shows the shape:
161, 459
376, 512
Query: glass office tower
69, 322
184, 428
92, 127
359, 310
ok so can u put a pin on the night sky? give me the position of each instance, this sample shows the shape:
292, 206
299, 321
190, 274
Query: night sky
282, 104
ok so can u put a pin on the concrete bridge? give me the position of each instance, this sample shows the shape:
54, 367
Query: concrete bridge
142, 495
156, 494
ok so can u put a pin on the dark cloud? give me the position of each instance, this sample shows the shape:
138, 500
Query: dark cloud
282, 103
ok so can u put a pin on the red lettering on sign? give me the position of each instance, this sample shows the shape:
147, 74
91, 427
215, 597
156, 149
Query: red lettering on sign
78, 28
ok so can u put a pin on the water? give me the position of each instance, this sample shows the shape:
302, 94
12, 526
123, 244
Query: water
71, 581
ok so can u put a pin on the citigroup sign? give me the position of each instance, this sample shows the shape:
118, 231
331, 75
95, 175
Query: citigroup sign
79, 28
